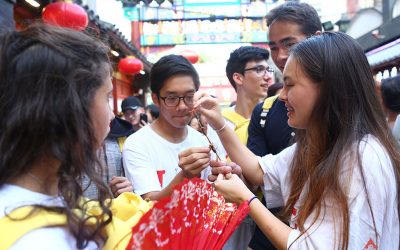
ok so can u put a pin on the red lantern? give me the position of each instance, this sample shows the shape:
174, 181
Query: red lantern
67, 15
192, 56
130, 65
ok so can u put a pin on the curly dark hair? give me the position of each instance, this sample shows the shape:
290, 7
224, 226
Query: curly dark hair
48, 78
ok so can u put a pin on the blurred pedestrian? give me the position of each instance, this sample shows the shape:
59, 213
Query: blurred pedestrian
131, 108
110, 155
152, 112
275, 89
390, 92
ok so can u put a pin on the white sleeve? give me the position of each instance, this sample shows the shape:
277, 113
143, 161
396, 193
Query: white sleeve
382, 200
139, 168
275, 168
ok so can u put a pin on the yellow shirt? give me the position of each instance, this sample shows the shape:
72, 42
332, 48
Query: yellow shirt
240, 123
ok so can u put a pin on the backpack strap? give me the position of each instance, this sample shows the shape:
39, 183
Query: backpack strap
241, 124
127, 210
234, 117
121, 141
24, 220
265, 109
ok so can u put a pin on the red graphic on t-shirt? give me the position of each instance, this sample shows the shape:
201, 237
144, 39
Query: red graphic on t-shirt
160, 174
294, 214
370, 245
294, 211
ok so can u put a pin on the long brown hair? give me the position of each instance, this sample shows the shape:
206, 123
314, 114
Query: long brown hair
48, 78
346, 111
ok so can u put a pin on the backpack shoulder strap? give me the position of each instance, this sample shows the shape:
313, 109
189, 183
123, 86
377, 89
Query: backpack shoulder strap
24, 220
233, 117
121, 141
265, 109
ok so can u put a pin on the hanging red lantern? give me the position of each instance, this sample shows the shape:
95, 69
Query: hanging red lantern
130, 65
192, 56
65, 14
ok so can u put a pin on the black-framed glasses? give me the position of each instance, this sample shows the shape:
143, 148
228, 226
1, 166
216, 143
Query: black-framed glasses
173, 101
261, 70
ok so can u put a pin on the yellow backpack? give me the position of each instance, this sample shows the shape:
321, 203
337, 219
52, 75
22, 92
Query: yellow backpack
241, 124
127, 209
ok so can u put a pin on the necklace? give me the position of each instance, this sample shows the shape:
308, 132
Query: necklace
35, 178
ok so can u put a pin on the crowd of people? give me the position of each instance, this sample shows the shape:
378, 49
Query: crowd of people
320, 150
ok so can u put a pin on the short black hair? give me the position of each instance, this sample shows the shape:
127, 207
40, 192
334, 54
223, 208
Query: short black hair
169, 66
154, 111
390, 91
240, 57
302, 14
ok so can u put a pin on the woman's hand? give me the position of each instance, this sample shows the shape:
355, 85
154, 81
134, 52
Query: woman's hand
232, 188
209, 108
225, 168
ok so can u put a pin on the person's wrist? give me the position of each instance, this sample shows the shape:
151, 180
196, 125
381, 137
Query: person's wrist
249, 201
247, 196
219, 129
187, 174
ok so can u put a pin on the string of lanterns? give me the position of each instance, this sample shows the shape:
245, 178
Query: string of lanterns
71, 15
145, 2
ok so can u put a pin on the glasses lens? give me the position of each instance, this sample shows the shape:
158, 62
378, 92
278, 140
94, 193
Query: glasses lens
188, 99
260, 69
171, 101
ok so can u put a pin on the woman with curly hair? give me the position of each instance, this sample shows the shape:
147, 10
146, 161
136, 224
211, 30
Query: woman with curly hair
55, 86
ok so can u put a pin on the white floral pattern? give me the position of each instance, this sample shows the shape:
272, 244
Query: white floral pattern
194, 217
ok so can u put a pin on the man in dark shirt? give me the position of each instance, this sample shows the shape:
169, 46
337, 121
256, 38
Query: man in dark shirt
269, 132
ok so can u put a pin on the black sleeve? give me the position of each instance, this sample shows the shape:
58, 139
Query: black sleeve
256, 140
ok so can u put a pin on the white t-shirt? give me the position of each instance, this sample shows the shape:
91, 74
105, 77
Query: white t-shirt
59, 238
381, 186
151, 162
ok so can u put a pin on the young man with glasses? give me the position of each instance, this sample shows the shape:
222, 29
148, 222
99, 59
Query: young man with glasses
250, 75
151, 155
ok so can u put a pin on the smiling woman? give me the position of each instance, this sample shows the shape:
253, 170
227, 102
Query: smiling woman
296, 86
341, 176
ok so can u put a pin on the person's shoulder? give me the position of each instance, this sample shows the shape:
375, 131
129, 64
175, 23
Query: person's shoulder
140, 135
13, 196
374, 153
278, 106
255, 115
48, 238
269, 102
